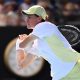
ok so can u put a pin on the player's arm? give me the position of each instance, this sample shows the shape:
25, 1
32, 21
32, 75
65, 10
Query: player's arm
24, 59
29, 60
20, 55
29, 39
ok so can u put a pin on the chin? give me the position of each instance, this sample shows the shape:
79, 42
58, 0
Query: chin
29, 28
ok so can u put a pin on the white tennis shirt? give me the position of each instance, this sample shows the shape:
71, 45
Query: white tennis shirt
48, 31
59, 68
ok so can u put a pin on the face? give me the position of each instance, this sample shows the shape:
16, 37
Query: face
32, 21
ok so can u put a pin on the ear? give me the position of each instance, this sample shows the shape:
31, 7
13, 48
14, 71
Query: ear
39, 19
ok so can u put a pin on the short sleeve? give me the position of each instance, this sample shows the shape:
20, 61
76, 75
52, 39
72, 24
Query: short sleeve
44, 29
40, 30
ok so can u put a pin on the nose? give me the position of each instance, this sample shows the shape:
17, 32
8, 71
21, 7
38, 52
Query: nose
27, 20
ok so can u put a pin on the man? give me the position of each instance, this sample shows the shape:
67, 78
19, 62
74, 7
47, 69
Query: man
48, 42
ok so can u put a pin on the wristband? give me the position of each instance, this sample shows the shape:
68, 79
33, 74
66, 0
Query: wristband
17, 45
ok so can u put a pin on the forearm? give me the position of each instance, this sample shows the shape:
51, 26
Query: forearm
24, 59
29, 59
21, 56
27, 41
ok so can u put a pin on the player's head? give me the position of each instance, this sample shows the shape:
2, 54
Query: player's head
34, 15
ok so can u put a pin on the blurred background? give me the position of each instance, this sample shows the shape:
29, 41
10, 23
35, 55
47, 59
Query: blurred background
61, 13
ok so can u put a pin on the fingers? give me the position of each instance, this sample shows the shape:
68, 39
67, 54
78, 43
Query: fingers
22, 36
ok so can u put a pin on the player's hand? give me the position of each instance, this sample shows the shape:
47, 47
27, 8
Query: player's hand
22, 37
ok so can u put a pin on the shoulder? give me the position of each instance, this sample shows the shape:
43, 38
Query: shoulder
45, 25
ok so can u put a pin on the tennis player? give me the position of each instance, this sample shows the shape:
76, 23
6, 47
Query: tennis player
50, 44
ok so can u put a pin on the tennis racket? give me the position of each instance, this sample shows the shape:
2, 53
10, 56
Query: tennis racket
71, 33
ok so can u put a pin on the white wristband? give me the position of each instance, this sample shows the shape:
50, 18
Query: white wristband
17, 45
